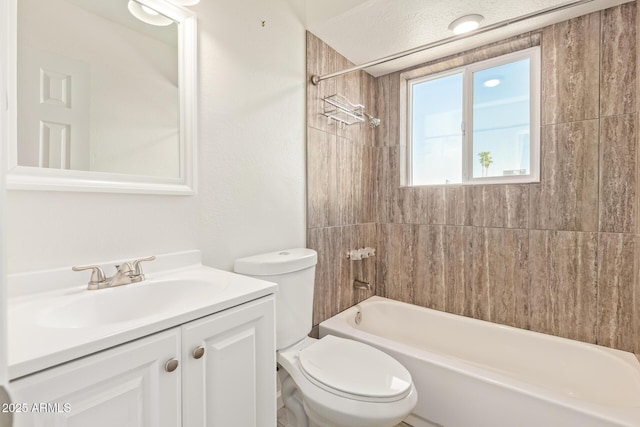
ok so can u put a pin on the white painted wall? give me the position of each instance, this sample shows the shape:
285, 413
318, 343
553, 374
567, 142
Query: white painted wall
4, 12
57, 229
252, 137
251, 195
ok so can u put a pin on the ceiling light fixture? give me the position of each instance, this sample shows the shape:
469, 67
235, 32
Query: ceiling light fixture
186, 2
148, 10
147, 14
491, 82
465, 24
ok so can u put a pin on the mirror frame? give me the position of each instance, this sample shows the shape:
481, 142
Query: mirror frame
33, 178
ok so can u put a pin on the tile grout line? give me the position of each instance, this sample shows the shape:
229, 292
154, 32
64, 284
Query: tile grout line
598, 213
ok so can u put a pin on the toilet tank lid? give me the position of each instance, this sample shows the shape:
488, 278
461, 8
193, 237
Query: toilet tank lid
281, 262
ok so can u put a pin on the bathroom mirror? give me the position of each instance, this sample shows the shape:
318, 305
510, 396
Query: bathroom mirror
102, 96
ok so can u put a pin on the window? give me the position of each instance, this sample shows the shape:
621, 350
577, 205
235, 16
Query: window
476, 124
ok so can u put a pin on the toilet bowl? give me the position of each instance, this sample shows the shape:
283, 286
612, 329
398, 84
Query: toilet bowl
344, 383
330, 382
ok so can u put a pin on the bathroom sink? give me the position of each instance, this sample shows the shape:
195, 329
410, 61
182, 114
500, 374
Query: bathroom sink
53, 318
124, 303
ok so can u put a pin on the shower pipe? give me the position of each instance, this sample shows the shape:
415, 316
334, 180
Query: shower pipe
315, 79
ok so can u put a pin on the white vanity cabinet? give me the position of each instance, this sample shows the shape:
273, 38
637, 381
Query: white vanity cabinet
225, 377
123, 386
229, 376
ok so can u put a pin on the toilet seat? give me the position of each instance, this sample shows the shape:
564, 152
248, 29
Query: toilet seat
354, 370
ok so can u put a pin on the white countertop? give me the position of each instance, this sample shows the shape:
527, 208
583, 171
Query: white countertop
35, 342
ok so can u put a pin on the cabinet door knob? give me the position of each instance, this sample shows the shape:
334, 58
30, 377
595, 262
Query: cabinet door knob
198, 352
171, 365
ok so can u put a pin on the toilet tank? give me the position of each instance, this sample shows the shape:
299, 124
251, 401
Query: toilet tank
294, 272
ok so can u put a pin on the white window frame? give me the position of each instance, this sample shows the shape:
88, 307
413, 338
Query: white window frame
409, 79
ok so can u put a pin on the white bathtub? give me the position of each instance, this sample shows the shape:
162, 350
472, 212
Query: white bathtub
471, 373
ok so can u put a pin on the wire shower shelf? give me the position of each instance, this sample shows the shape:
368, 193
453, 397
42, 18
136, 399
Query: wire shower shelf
339, 108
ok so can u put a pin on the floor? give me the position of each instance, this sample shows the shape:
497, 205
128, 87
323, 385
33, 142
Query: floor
282, 419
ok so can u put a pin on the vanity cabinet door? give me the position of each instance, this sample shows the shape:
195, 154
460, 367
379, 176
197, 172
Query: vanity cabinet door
229, 376
126, 385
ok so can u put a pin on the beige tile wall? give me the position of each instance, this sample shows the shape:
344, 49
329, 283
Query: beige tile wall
557, 256
340, 184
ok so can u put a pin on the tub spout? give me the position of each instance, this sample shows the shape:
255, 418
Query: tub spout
359, 284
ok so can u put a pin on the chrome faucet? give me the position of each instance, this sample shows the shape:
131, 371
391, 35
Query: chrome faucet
126, 273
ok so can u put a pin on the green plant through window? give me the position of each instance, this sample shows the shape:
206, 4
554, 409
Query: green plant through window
485, 161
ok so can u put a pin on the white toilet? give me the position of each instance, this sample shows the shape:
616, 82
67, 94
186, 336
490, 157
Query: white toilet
330, 382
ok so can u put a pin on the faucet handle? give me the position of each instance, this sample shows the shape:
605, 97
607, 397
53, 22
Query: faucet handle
138, 268
97, 275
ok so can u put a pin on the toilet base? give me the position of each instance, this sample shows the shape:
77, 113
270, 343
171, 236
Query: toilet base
296, 416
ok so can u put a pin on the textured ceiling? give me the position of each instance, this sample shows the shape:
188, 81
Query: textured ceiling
365, 30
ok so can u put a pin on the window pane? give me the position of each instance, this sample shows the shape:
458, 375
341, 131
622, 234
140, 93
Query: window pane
501, 120
436, 150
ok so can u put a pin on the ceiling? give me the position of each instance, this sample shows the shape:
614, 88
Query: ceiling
366, 30
117, 11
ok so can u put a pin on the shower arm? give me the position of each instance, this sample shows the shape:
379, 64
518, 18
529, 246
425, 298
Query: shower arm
316, 79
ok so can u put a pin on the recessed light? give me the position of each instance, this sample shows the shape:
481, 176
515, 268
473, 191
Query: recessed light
147, 14
465, 24
491, 82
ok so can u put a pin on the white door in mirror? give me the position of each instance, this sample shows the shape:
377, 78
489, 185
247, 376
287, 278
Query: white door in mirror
53, 112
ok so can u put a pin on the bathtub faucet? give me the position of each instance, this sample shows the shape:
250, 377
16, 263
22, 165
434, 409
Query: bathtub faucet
359, 284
